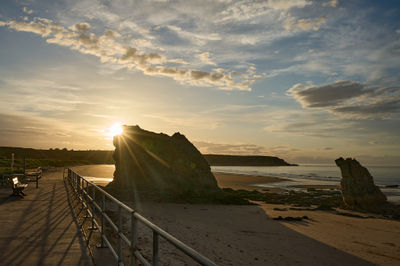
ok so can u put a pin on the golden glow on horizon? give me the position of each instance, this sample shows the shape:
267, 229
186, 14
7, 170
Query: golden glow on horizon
115, 129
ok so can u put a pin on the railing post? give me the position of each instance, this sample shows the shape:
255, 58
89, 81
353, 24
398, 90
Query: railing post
77, 185
92, 207
155, 248
81, 190
103, 210
86, 198
119, 234
134, 238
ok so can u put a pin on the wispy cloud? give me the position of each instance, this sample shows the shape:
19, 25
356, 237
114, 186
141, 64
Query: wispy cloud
331, 3
26, 131
206, 58
55, 98
349, 98
304, 24
27, 10
107, 47
245, 10
242, 149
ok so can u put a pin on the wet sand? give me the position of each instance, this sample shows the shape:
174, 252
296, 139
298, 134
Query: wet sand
247, 182
253, 182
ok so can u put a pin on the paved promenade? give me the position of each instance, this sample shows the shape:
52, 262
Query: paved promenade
40, 229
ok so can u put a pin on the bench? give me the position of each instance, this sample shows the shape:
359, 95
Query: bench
33, 175
17, 187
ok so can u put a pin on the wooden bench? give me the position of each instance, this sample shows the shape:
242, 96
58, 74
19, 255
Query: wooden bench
33, 175
17, 187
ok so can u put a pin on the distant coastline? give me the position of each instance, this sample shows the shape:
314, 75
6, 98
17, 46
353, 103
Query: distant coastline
65, 157
243, 160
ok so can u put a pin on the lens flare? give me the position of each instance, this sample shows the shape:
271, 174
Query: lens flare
115, 129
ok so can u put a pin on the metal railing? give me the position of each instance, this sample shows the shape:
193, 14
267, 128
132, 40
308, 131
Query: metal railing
87, 192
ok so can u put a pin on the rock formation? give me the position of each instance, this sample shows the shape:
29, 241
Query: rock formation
147, 162
357, 185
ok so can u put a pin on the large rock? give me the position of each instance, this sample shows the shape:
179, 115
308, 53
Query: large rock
146, 162
358, 188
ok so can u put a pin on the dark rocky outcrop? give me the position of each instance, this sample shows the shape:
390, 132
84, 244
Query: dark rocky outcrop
242, 160
358, 188
151, 163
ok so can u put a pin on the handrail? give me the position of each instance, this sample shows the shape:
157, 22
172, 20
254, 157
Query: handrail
81, 187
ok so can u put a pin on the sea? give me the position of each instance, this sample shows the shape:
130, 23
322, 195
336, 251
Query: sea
386, 177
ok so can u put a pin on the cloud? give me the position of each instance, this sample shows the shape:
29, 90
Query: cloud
350, 98
284, 4
206, 147
282, 151
34, 27
244, 10
81, 27
205, 58
325, 96
331, 3
382, 108
178, 120
109, 47
55, 98
178, 61
199, 38
328, 128
304, 24
22, 130
27, 11
143, 59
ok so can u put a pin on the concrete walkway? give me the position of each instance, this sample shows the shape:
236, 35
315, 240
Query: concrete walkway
40, 229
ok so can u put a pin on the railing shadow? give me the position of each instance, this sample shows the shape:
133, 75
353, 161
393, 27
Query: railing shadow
42, 229
239, 235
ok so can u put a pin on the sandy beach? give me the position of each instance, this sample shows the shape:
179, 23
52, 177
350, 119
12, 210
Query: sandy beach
248, 235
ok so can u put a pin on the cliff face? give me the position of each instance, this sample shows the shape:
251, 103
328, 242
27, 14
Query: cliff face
240, 160
146, 161
358, 188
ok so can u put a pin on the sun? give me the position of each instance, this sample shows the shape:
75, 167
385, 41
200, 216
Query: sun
115, 129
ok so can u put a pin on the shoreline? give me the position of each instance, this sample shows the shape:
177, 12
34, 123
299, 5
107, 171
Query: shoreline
247, 182
103, 174
278, 185
265, 183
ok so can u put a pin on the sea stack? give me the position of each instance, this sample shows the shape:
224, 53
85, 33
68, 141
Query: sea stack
357, 185
147, 162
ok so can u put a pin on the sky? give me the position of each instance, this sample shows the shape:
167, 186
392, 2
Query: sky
308, 81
